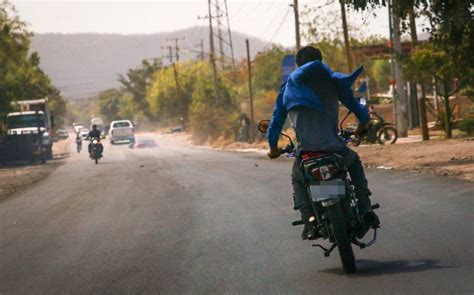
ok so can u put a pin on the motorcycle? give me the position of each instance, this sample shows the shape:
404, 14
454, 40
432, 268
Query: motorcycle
96, 150
336, 215
379, 131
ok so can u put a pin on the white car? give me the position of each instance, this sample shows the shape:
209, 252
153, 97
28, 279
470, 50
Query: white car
121, 130
84, 133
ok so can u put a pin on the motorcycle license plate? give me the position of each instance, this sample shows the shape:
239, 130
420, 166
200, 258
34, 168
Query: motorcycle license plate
331, 189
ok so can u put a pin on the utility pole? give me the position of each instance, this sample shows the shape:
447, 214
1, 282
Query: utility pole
178, 93
219, 32
230, 35
225, 39
249, 69
422, 99
346, 35
201, 45
400, 95
176, 46
212, 54
297, 24
170, 52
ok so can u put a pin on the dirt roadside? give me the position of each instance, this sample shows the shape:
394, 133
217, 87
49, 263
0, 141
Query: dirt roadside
453, 158
18, 176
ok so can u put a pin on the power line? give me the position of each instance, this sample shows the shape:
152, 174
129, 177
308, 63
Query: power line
278, 28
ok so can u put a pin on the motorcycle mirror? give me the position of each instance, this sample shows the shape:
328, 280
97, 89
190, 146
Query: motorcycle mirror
263, 126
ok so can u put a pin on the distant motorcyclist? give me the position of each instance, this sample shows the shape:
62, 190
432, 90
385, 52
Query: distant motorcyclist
78, 142
95, 133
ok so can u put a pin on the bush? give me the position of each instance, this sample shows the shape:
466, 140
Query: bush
467, 124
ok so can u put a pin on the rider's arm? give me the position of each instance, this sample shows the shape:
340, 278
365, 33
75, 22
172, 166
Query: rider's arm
349, 101
278, 119
346, 96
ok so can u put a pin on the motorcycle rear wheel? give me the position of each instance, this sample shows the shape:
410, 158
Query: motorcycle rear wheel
387, 135
342, 239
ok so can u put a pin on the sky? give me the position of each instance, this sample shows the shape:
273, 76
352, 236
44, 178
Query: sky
265, 19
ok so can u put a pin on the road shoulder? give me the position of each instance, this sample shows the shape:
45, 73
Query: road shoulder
452, 158
18, 176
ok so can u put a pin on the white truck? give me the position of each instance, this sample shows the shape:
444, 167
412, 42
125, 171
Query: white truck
29, 131
121, 130
100, 125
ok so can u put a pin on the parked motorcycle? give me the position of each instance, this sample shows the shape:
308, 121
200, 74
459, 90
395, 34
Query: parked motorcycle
96, 150
379, 131
334, 203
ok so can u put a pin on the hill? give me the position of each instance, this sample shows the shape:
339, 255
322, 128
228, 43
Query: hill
82, 65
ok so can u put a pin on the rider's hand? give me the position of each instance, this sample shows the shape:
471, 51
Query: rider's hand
361, 129
273, 153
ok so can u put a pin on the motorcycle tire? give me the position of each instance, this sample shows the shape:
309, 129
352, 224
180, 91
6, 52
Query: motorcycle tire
342, 239
96, 161
382, 135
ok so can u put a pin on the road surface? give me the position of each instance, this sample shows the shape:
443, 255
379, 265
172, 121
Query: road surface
181, 220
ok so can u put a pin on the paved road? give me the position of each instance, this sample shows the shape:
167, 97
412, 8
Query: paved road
179, 220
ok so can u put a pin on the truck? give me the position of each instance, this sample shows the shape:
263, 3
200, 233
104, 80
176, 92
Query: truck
100, 125
29, 132
77, 127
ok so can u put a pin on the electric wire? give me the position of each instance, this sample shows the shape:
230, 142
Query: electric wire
278, 28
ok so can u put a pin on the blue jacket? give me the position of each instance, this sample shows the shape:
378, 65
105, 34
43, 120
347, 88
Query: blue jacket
296, 92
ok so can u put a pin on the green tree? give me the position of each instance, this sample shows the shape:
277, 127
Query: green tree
21, 77
138, 80
431, 61
109, 103
266, 69
380, 74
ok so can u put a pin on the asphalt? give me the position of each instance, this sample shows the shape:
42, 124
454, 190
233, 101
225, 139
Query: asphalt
182, 220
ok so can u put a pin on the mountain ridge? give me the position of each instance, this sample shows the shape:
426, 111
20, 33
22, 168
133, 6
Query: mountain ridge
83, 64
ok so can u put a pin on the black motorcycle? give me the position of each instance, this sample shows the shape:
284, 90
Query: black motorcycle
379, 131
96, 150
337, 217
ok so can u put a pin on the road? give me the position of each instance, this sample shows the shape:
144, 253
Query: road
182, 220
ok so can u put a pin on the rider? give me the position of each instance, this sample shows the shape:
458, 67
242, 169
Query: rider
310, 98
78, 141
95, 133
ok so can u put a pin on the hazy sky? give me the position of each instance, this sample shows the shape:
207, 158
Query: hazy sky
259, 18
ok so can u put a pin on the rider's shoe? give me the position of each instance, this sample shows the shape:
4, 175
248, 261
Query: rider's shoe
310, 231
306, 230
371, 219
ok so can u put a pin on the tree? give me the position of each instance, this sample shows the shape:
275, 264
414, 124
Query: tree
429, 61
21, 77
109, 103
266, 69
380, 74
138, 80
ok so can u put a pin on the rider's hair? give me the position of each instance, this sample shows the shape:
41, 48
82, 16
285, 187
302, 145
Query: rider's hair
308, 54
94, 126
